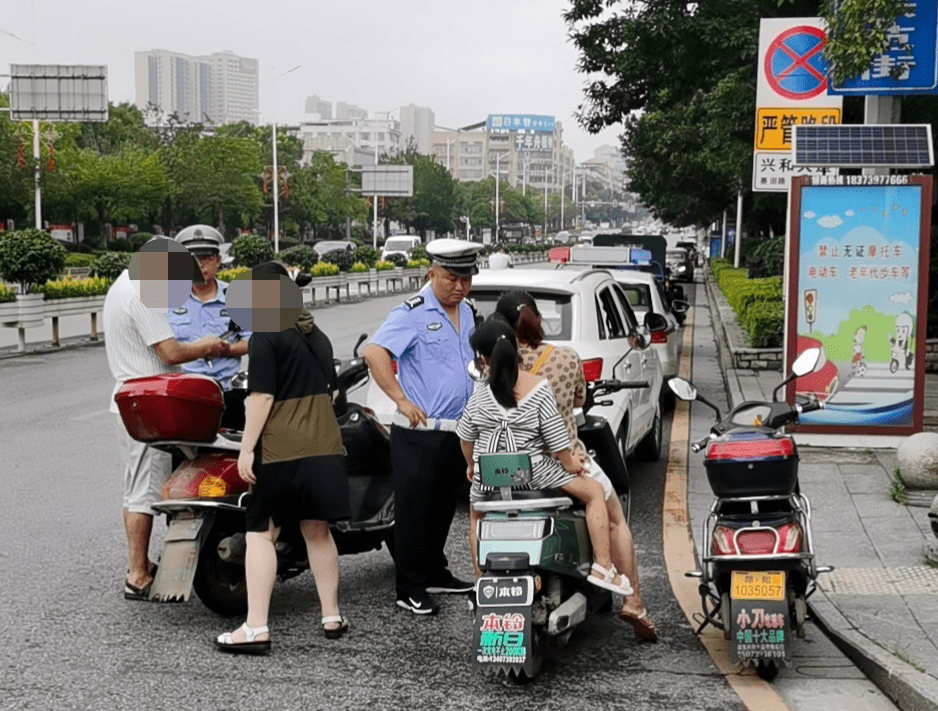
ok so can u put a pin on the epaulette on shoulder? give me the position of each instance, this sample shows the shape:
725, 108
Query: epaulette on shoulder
413, 302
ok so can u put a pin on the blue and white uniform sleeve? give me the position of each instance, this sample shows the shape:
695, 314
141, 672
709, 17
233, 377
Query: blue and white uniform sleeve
397, 333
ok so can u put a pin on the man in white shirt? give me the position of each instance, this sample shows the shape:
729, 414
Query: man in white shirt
500, 260
139, 342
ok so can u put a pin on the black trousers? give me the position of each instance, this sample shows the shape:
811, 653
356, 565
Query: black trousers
428, 472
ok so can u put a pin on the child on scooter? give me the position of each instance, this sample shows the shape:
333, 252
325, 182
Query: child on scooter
515, 411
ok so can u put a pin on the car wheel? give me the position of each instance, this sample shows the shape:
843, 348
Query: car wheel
649, 449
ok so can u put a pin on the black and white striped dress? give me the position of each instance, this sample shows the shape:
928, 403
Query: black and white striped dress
533, 426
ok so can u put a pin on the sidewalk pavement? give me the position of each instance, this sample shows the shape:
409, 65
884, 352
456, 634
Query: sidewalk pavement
880, 604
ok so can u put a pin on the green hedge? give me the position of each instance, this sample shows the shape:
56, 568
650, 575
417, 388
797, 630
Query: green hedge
757, 303
68, 288
7, 294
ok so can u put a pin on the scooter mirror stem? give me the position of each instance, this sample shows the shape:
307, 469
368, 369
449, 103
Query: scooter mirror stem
705, 401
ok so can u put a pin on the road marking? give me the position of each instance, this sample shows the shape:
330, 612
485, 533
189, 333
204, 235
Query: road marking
756, 694
89, 415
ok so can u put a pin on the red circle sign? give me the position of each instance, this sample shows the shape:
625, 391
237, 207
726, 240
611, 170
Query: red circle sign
794, 67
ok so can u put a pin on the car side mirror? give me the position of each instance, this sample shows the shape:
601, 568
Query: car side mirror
680, 306
655, 322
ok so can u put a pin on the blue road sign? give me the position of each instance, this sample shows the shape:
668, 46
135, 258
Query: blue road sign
911, 41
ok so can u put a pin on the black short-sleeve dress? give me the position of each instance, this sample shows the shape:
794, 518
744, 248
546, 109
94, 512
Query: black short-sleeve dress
299, 461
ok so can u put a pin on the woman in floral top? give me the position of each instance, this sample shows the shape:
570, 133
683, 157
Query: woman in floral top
562, 368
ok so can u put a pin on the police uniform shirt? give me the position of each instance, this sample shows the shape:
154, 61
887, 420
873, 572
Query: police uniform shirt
195, 319
431, 356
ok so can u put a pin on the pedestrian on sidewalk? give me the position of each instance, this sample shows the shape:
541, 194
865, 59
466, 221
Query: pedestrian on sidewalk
428, 337
564, 371
292, 455
140, 343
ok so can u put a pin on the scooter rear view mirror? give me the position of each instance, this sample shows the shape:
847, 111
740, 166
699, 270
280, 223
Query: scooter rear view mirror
683, 389
806, 362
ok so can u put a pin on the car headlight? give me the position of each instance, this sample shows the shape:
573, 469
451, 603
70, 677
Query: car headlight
526, 529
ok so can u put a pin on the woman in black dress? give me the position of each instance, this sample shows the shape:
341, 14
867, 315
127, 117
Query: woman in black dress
292, 454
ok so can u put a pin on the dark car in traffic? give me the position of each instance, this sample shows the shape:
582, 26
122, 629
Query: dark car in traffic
681, 265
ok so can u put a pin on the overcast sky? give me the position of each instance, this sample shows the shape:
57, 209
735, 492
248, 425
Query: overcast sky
464, 59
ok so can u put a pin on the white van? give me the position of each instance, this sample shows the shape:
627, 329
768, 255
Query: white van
402, 244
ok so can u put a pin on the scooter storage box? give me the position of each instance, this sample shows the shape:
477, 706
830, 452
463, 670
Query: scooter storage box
751, 464
171, 406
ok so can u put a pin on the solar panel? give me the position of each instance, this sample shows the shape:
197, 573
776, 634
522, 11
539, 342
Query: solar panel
863, 145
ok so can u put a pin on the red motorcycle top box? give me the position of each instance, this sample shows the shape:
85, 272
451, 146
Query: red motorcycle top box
171, 406
752, 464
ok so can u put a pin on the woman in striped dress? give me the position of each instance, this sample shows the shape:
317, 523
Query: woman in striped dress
515, 411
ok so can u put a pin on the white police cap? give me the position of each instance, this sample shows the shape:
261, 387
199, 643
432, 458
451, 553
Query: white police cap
455, 255
200, 239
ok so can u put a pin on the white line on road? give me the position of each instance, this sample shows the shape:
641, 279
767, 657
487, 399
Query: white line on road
90, 415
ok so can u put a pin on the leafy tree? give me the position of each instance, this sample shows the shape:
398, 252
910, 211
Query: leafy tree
251, 250
30, 257
680, 77
110, 264
302, 256
124, 128
214, 179
319, 199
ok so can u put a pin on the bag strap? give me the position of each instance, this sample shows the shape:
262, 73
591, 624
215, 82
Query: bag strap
540, 361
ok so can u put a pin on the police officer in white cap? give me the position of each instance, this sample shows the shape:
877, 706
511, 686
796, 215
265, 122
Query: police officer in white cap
428, 336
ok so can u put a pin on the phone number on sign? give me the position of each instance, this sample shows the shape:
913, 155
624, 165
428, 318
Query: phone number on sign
859, 180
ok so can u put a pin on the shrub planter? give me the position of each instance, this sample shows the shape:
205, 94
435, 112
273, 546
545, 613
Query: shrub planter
9, 312
31, 310
73, 306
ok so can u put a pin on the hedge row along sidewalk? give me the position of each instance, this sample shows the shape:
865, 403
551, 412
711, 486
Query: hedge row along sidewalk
757, 303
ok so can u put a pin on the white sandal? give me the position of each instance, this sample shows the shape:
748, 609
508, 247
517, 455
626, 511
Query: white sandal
623, 588
226, 644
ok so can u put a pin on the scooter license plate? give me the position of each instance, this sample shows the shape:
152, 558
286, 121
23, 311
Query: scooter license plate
761, 585
505, 592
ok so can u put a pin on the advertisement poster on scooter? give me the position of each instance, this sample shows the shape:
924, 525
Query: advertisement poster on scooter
857, 289
759, 631
503, 635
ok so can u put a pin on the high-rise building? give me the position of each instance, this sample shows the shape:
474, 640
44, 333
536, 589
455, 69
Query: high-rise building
350, 111
418, 122
218, 88
315, 105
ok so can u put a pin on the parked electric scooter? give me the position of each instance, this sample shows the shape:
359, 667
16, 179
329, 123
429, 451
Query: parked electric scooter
204, 500
759, 566
534, 550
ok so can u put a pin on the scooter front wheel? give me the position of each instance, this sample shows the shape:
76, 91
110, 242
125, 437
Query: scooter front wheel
220, 585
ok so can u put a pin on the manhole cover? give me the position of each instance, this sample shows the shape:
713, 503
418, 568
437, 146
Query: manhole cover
913, 580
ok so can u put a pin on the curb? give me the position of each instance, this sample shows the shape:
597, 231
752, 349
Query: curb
908, 688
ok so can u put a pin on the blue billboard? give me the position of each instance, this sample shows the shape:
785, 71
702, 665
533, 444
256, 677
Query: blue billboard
911, 47
506, 123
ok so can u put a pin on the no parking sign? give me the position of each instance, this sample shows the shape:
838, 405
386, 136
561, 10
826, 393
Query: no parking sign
791, 89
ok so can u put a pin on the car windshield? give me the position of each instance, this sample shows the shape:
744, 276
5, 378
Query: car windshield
398, 245
325, 247
676, 254
556, 309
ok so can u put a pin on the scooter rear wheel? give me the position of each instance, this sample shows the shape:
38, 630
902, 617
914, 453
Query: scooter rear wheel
767, 669
221, 586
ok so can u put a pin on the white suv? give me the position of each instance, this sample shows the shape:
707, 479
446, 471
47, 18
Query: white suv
590, 312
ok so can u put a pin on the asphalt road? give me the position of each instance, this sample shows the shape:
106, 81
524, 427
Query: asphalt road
73, 642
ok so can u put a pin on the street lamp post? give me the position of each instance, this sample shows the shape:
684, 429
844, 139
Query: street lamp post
273, 128
498, 160
374, 233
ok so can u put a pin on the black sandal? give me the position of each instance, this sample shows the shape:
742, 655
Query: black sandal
338, 631
132, 592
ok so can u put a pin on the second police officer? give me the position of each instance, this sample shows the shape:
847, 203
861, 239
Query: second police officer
428, 336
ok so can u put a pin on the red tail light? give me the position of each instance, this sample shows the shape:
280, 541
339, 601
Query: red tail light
659, 337
789, 538
722, 541
212, 475
592, 369
757, 541
751, 449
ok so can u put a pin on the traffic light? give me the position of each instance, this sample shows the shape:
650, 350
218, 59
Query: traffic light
810, 305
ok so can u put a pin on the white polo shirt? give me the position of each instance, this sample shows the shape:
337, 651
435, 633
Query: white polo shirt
130, 332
